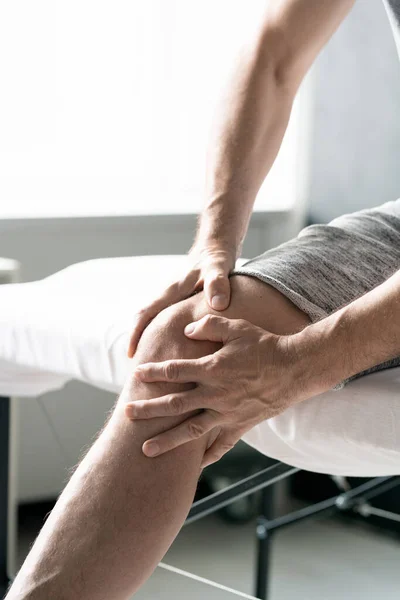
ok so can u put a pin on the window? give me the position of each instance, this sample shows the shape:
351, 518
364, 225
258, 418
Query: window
106, 105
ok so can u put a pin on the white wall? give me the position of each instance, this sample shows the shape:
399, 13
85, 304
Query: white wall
44, 246
356, 122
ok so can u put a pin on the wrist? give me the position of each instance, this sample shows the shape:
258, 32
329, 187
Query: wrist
321, 355
223, 222
206, 245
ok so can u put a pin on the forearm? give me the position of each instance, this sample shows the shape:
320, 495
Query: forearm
254, 111
246, 137
357, 337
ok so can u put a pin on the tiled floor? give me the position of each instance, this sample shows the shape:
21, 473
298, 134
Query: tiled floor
325, 559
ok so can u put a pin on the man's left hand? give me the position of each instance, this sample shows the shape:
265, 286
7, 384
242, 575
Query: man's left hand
245, 382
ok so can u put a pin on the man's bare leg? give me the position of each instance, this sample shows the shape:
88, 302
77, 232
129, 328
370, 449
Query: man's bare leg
121, 511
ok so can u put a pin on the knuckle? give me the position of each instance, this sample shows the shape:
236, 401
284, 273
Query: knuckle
144, 410
214, 457
195, 430
209, 319
210, 364
194, 273
175, 405
172, 289
180, 286
219, 277
141, 312
186, 282
225, 401
226, 446
238, 324
171, 371
215, 362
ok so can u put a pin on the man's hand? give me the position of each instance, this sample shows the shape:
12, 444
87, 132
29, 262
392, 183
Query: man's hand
257, 375
250, 379
209, 271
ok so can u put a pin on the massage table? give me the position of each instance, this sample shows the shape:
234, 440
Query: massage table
75, 325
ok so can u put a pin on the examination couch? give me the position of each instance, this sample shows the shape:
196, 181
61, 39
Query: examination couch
75, 325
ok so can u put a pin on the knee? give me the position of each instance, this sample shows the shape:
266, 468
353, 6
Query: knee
164, 337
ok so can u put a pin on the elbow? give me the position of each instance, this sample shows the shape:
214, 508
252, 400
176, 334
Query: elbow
286, 76
274, 51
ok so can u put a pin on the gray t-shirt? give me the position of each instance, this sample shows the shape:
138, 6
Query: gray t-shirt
328, 266
393, 11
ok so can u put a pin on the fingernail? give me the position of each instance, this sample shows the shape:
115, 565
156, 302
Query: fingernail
218, 301
189, 328
151, 449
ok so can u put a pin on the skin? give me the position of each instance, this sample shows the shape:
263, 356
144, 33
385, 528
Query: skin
120, 511
247, 133
239, 387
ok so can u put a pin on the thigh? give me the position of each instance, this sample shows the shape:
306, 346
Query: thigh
256, 302
251, 299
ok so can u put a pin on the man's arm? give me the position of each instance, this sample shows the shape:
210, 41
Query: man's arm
255, 110
248, 131
357, 337
257, 375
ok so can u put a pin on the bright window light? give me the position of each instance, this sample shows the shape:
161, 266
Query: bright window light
106, 106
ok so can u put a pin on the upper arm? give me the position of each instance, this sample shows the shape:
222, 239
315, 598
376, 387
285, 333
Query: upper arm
297, 30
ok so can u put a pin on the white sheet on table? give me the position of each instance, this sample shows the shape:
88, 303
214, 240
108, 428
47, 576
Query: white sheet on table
76, 323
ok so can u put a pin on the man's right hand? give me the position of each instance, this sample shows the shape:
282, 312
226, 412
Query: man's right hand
209, 271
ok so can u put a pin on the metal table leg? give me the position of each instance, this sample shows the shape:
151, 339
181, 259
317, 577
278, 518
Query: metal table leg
264, 538
4, 490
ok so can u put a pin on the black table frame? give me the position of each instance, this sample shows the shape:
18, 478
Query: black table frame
5, 413
262, 481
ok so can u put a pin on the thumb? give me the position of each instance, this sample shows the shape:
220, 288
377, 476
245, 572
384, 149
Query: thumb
217, 288
210, 327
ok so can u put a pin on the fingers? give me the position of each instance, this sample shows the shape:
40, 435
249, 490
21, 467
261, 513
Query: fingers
217, 290
217, 450
183, 371
213, 328
174, 293
217, 286
169, 405
191, 429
